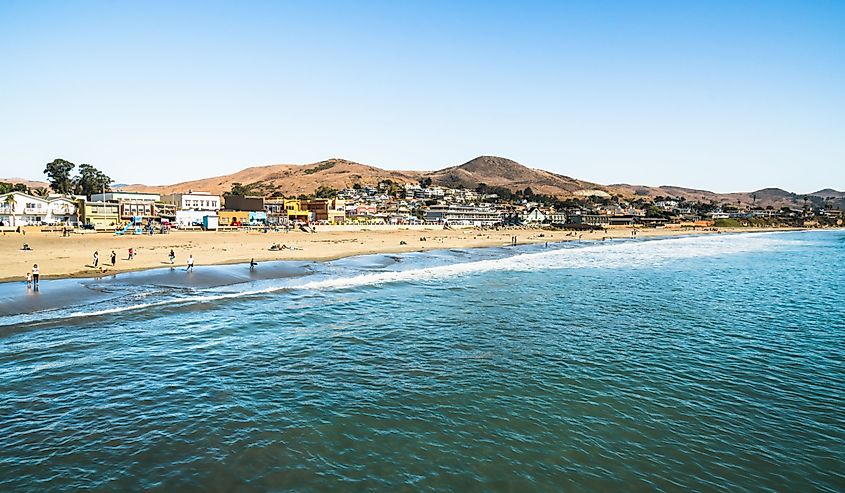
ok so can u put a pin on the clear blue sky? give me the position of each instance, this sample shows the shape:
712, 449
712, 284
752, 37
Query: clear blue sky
727, 96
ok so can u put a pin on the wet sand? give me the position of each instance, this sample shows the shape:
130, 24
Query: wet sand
63, 257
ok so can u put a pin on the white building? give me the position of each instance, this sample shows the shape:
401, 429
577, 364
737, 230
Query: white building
188, 218
462, 215
22, 209
196, 201
536, 216
125, 196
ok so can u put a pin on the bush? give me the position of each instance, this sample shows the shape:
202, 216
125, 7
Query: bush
727, 223
319, 167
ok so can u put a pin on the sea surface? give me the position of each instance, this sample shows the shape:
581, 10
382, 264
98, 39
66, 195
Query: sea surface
712, 363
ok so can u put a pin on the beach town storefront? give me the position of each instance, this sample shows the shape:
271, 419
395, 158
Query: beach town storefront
22, 209
134, 205
462, 215
100, 215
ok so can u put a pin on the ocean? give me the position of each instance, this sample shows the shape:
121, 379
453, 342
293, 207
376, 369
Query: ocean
709, 363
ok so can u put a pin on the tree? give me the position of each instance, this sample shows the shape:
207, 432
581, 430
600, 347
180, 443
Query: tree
425, 182
652, 211
58, 173
90, 180
40, 191
324, 192
238, 189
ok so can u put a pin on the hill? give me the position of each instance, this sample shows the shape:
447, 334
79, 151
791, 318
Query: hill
499, 171
289, 179
28, 183
293, 179
829, 192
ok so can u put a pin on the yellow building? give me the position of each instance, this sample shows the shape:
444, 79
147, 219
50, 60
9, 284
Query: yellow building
295, 212
100, 215
232, 218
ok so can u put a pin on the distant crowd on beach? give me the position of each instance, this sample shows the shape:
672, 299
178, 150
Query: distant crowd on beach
32, 277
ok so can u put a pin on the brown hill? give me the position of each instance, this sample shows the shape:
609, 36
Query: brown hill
29, 183
499, 171
289, 179
829, 192
664, 191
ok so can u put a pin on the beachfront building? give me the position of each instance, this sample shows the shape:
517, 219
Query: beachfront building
462, 215
193, 201
295, 212
332, 211
597, 220
186, 219
133, 205
118, 196
243, 203
275, 209
285, 211
99, 215
22, 209
233, 218
535, 216
556, 218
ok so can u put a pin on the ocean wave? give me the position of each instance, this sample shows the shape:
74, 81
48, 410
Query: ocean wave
612, 255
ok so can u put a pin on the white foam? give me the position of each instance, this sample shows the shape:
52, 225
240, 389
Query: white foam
619, 254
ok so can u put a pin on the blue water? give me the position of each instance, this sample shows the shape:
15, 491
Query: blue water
696, 364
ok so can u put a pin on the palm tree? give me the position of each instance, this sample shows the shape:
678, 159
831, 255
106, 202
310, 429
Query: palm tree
11, 203
40, 191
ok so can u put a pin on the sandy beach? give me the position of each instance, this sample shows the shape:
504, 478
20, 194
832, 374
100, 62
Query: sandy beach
61, 257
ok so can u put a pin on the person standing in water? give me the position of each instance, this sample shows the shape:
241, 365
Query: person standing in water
36, 273
190, 263
252, 264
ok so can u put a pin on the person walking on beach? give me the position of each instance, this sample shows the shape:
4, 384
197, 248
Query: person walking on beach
190, 263
96, 259
172, 256
113, 258
252, 264
36, 273
29, 280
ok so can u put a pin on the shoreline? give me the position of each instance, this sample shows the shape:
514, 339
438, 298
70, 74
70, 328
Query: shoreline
71, 257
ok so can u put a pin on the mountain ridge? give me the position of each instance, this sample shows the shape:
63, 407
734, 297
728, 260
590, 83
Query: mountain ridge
298, 179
